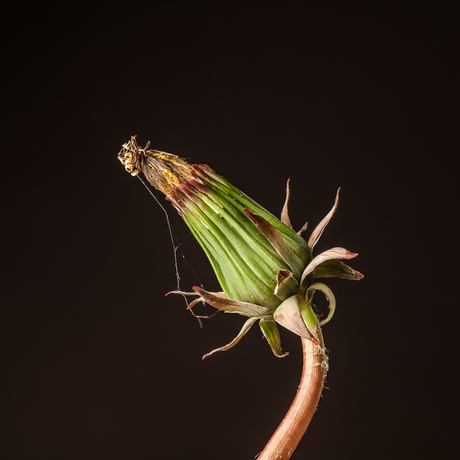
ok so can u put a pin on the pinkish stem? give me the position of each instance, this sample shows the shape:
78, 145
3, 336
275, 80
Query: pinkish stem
285, 439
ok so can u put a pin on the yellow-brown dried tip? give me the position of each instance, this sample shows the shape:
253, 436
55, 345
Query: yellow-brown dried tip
163, 170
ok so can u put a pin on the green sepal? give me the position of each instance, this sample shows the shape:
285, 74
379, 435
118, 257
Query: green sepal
318, 231
330, 297
336, 268
288, 314
271, 333
220, 301
309, 316
286, 284
246, 326
333, 253
277, 241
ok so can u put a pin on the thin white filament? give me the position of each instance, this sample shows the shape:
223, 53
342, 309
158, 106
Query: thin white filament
175, 248
170, 233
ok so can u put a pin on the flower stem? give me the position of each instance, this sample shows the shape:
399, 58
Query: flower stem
295, 423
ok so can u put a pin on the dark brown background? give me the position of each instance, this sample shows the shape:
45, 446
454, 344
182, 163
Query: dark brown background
96, 362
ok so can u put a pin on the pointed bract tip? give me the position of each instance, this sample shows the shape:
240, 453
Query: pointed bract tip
283, 355
180, 292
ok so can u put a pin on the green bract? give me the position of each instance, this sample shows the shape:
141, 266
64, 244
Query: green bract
265, 268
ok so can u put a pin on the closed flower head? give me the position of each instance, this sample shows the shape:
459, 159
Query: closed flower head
265, 269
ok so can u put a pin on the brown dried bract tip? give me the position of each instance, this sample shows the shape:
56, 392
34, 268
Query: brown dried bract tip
163, 170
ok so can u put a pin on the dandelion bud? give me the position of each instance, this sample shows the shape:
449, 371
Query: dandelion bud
265, 268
